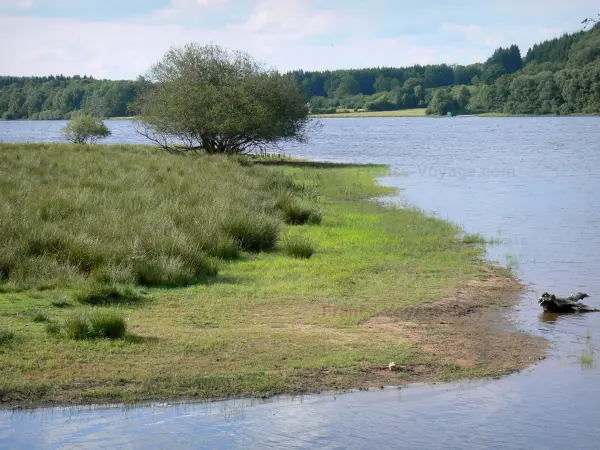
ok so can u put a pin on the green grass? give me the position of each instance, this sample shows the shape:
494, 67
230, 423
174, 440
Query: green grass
38, 316
101, 294
474, 239
103, 324
128, 215
78, 217
6, 337
417, 112
298, 246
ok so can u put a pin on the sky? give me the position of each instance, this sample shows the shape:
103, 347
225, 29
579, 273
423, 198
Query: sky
121, 39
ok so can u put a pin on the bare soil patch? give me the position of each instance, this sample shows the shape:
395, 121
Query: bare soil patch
470, 329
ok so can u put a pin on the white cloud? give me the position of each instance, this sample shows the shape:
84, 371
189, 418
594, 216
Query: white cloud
288, 35
179, 8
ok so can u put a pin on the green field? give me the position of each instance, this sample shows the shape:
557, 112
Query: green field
194, 255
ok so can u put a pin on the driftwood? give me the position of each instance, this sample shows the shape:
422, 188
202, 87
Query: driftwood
552, 303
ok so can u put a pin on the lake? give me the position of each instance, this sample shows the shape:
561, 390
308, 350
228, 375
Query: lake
531, 184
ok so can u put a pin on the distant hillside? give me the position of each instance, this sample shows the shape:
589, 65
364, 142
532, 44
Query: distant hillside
557, 76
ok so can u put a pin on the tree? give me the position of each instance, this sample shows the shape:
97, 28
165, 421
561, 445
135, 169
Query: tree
207, 99
442, 102
84, 129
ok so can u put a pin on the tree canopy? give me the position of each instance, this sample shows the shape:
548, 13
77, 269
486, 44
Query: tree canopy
205, 98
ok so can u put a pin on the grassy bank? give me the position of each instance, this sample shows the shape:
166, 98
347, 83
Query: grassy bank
205, 317
419, 112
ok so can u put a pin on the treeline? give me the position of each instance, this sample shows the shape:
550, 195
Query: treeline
557, 76
560, 76
57, 97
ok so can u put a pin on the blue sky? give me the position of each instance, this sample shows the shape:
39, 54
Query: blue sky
122, 38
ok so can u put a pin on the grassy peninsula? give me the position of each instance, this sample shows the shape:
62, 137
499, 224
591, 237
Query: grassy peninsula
416, 112
129, 274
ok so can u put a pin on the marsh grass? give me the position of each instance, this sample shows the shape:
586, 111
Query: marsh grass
267, 324
6, 337
298, 246
99, 294
107, 325
101, 324
128, 215
38, 316
297, 213
474, 238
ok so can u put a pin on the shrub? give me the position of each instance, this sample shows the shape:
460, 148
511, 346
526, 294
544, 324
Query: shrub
107, 325
298, 246
253, 232
84, 129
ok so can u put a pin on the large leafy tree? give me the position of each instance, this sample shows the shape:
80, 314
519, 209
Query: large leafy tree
206, 99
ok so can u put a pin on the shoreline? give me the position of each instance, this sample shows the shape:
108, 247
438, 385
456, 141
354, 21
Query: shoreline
439, 315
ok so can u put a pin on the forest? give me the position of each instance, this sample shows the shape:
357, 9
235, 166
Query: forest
559, 76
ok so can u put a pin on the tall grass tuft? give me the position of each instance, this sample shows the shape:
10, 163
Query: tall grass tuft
298, 213
107, 325
298, 246
474, 238
95, 325
126, 215
100, 294
6, 337
38, 316
76, 326
253, 233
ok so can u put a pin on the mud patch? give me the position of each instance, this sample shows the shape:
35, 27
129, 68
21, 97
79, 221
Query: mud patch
470, 329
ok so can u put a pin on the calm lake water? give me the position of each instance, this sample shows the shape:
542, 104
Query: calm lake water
531, 183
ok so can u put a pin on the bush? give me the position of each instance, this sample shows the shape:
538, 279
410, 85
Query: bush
253, 233
298, 246
84, 129
221, 102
